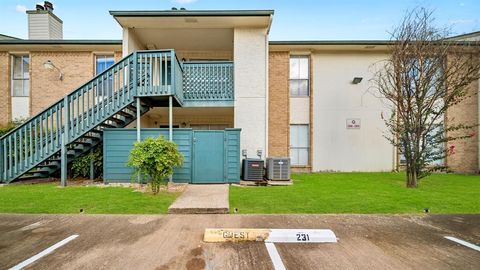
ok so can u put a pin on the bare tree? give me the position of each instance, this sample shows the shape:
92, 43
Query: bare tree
425, 75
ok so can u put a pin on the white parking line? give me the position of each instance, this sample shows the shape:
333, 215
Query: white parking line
44, 253
274, 256
465, 243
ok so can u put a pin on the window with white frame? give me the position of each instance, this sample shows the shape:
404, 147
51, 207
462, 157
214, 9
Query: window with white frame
20, 76
299, 144
102, 63
299, 76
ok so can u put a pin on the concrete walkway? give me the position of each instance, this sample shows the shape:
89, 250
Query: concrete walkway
202, 199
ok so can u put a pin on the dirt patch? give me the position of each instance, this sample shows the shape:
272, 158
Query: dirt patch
196, 251
195, 264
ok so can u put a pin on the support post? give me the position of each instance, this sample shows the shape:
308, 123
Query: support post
92, 169
2, 178
138, 119
170, 124
63, 149
138, 128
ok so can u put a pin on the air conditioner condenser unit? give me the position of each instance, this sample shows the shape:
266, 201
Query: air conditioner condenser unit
252, 169
278, 168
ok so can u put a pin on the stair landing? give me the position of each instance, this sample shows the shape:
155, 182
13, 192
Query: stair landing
202, 199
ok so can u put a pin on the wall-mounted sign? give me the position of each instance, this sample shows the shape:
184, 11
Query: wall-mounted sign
353, 123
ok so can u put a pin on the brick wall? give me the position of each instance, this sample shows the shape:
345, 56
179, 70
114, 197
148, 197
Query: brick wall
5, 100
465, 158
278, 104
46, 87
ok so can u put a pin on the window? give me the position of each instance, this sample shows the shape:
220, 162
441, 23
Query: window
299, 144
299, 76
102, 63
20, 76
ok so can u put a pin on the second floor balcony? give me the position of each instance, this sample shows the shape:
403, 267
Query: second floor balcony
194, 84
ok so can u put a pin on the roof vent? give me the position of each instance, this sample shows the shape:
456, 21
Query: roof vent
48, 6
191, 20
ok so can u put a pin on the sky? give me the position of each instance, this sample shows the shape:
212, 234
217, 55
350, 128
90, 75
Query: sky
293, 19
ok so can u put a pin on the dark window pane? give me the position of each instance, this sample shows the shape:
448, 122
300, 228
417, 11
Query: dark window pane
299, 88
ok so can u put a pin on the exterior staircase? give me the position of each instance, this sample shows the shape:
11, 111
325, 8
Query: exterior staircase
73, 125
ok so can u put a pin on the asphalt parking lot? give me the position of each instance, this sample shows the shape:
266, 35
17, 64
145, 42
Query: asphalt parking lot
175, 242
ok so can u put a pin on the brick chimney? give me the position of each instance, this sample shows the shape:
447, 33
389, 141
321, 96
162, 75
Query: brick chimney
43, 24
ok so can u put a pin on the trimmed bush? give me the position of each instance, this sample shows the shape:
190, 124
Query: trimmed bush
155, 158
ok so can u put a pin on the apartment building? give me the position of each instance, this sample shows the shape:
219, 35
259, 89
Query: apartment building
213, 82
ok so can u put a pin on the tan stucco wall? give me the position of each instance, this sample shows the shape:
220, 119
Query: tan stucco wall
278, 104
251, 94
5, 99
130, 42
337, 148
465, 156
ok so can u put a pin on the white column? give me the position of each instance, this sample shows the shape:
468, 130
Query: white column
138, 127
170, 124
170, 118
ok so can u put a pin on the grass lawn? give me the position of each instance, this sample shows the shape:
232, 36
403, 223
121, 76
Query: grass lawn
49, 198
361, 193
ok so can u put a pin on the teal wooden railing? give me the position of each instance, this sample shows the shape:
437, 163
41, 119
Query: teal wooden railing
157, 77
208, 81
144, 73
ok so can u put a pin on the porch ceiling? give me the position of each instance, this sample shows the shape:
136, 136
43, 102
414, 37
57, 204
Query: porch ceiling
220, 39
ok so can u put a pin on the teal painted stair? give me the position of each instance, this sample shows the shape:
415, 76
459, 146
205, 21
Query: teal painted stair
33, 149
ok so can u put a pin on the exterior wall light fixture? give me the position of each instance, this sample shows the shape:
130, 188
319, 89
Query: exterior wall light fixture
49, 65
357, 80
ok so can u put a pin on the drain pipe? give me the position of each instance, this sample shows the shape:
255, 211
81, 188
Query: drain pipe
478, 122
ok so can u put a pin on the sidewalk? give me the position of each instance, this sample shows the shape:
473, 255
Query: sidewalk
202, 199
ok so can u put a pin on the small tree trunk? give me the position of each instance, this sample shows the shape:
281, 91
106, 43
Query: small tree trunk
412, 177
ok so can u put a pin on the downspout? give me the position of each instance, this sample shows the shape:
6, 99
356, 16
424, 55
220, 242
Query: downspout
266, 89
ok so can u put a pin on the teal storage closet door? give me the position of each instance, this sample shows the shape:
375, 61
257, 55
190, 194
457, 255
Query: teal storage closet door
208, 152
232, 155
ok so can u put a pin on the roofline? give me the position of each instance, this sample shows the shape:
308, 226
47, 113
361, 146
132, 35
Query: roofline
357, 42
61, 42
332, 42
464, 35
12, 37
190, 13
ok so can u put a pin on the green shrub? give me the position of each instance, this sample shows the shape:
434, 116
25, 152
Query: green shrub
81, 165
155, 159
4, 129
